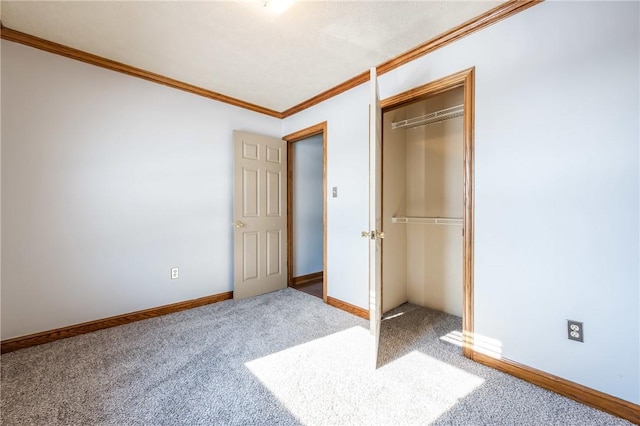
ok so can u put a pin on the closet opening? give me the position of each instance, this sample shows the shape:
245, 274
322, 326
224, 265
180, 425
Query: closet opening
306, 210
427, 211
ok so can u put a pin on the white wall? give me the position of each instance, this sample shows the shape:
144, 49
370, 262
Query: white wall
108, 181
307, 205
347, 168
556, 180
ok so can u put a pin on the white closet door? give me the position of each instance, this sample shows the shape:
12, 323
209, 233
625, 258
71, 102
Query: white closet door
375, 214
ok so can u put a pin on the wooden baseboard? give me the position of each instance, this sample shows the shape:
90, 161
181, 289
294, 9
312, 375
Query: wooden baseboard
304, 279
362, 313
591, 397
22, 342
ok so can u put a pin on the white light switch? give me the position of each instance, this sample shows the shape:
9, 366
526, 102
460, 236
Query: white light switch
335, 192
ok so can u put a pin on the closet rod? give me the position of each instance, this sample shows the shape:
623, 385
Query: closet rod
427, 220
431, 118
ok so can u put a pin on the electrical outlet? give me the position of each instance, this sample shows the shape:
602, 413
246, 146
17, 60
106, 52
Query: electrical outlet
174, 273
575, 331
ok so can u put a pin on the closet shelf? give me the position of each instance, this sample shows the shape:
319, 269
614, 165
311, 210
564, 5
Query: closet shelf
431, 118
427, 220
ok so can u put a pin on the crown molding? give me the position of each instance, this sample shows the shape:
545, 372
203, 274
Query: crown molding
89, 58
490, 17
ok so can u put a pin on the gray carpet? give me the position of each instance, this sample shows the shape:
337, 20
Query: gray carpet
282, 358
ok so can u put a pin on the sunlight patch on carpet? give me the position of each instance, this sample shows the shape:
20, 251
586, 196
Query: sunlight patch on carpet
483, 344
330, 380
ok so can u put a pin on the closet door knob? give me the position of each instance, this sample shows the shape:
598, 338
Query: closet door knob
373, 234
239, 224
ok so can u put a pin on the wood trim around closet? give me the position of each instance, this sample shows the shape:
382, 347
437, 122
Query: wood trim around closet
463, 79
488, 18
468, 78
89, 58
427, 90
10, 345
317, 129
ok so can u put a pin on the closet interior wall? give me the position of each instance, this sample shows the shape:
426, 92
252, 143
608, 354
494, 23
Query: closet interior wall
422, 176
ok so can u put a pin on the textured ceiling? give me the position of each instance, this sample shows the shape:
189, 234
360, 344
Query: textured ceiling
240, 48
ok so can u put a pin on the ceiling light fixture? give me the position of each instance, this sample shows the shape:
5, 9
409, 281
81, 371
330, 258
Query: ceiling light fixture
277, 7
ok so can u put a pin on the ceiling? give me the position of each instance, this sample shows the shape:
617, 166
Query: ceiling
243, 49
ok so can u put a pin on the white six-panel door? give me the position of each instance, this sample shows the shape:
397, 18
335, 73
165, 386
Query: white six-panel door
375, 214
260, 214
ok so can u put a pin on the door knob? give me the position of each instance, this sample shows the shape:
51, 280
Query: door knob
239, 224
373, 235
